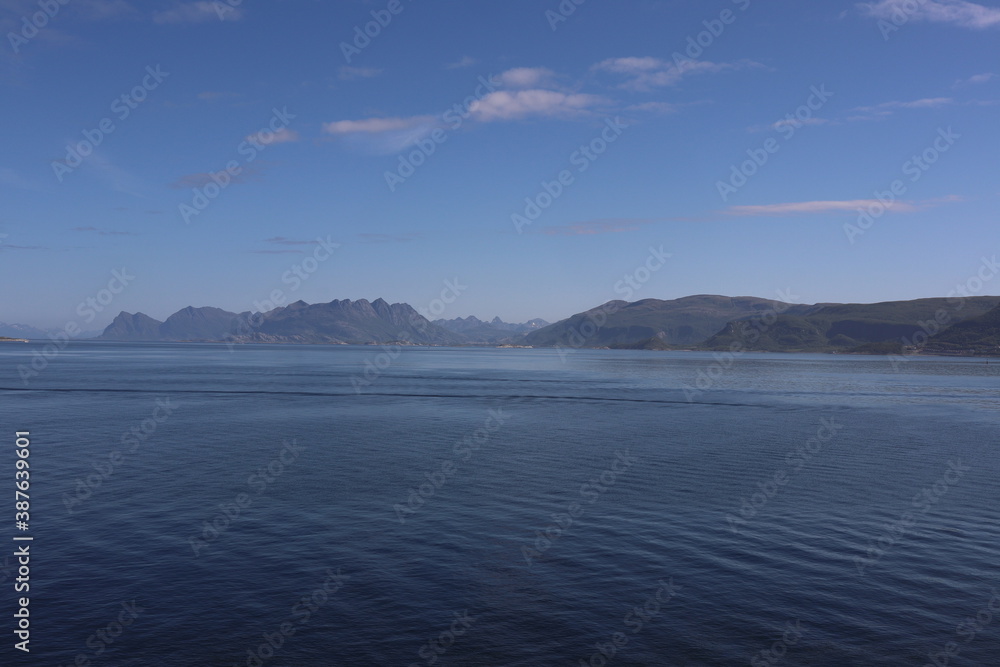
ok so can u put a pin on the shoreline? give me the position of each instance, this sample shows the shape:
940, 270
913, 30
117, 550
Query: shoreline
508, 346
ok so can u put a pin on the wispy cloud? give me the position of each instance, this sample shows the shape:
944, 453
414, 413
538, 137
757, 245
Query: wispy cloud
284, 240
348, 73
103, 232
91, 10
527, 93
888, 108
796, 122
198, 12
851, 205
527, 77
501, 105
280, 136
647, 73
508, 105
956, 12
11, 246
462, 63
387, 238
976, 79
375, 125
653, 107
216, 95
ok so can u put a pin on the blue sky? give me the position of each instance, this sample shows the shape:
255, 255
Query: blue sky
829, 102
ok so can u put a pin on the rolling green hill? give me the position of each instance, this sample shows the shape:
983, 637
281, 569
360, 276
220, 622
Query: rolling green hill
680, 322
875, 328
977, 335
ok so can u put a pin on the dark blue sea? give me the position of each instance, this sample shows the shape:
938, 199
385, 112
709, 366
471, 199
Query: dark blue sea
301, 506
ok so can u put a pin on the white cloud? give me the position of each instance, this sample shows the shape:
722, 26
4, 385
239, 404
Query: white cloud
375, 125
394, 133
199, 12
653, 107
807, 207
526, 77
382, 136
975, 79
956, 12
797, 122
462, 63
646, 73
512, 105
814, 207
888, 108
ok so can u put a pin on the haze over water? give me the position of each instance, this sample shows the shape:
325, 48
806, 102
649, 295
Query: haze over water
776, 496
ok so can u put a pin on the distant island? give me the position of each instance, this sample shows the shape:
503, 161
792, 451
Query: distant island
4, 339
942, 326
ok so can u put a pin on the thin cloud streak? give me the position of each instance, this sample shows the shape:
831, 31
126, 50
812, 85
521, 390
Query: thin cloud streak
955, 12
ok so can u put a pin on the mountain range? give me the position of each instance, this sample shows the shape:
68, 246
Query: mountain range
879, 328
494, 331
705, 322
30, 332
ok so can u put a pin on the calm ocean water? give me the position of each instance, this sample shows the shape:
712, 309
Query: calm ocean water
505, 507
